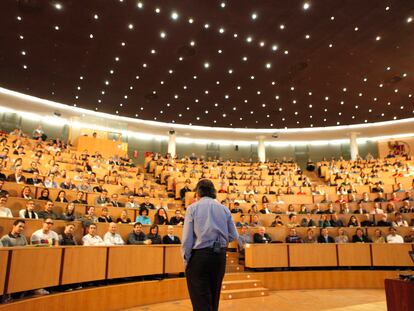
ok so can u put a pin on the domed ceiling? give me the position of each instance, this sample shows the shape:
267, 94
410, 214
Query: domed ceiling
235, 63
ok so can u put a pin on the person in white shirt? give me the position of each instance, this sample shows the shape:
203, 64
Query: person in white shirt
92, 239
4, 211
393, 237
377, 209
45, 236
29, 212
399, 221
132, 202
111, 237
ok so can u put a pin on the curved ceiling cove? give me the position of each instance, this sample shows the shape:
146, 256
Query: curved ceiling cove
234, 64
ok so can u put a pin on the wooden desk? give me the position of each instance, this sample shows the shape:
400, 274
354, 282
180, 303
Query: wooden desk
400, 295
34, 267
132, 260
4, 256
266, 255
173, 262
312, 255
83, 264
354, 254
395, 255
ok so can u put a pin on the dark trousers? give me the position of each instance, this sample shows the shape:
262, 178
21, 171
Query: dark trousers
205, 273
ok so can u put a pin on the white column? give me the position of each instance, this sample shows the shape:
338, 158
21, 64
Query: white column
171, 144
353, 145
261, 150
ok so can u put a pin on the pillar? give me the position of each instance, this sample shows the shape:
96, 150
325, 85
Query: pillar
261, 150
353, 146
171, 143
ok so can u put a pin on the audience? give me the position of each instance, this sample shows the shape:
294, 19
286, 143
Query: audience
123, 218
105, 217
170, 238
261, 236
67, 237
4, 210
177, 219
48, 211
137, 236
153, 235
360, 237
293, 237
342, 237
325, 237
112, 237
143, 217
15, 237
244, 238
310, 236
393, 237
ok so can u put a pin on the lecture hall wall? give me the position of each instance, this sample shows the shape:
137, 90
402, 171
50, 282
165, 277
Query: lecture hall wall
301, 154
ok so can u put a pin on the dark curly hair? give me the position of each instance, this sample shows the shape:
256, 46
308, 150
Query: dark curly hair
205, 188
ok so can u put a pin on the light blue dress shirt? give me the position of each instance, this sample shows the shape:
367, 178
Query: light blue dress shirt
205, 222
144, 220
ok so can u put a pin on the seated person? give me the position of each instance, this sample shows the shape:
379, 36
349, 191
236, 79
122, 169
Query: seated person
264, 209
365, 198
185, 189
383, 222
390, 208
26, 193
244, 238
325, 237
15, 237
44, 195
293, 237
307, 221
67, 184
326, 199
394, 197
80, 198
161, 217
69, 214
143, 217
256, 222
29, 212
317, 209
377, 209
330, 209
89, 217
409, 238
45, 236
360, 209
353, 222
367, 222
112, 237
147, 204
48, 211
132, 202
177, 219
293, 222
253, 209
67, 237
105, 217
399, 221
393, 237
342, 237
153, 235
4, 210
170, 238
100, 186
123, 218
102, 198
115, 201
277, 222
17, 177
92, 239
378, 237
261, 236
408, 197
137, 236
310, 236
380, 198
345, 209
360, 237
243, 221
2, 191
406, 208
236, 208
324, 222
336, 221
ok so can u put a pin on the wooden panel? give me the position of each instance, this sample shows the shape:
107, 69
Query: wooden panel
399, 295
354, 254
173, 260
34, 267
391, 255
4, 255
312, 255
83, 264
266, 255
132, 260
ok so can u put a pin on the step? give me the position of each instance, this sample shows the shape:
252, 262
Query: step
234, 268
244, 293
241, 284
238, 276
232, 255
232, 261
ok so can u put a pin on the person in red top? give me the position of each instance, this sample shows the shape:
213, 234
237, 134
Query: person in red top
341, 199
394, 198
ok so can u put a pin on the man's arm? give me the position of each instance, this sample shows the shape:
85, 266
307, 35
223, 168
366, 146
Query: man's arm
233, 235
188, 236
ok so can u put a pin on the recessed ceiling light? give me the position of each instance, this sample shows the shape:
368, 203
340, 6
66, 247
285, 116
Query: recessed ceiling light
157, 10
282, 26
332, 18
307, 36
221, 30
107, 82
130, 26
123, 43
24, 66
163, 34
409, 19
206, 26
174, 15
117, 59
58, 6
286, 52
57, 28
223, 4
190, 20
268, 65
153, 52
170, 71
21, 37
254, 16
19, 18
356, 28
244, 58
91, 36
306, 6
249, 39
23, 53
192, 43
387, 8
378, 38
230, 71
219, 51
274, 47
95, 16
206, 65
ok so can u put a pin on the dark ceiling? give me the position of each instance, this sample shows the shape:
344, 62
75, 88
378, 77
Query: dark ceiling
234, 63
